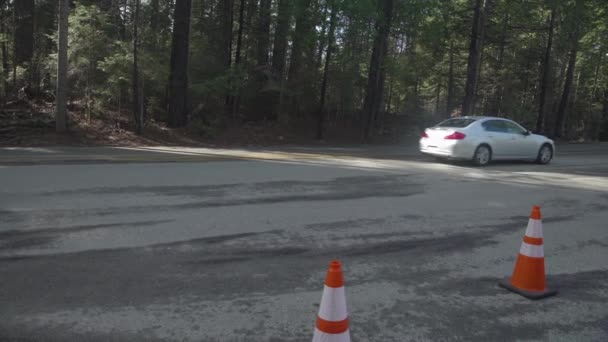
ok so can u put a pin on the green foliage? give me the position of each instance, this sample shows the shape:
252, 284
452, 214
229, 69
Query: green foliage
88, 45
118, 73
424, 35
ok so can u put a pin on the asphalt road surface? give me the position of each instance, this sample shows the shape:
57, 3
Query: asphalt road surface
193, 244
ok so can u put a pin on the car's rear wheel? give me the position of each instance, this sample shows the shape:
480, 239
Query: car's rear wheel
482, 156
545, 154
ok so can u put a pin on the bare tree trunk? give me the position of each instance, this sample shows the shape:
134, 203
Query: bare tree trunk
62, 68
330, 44
178, 77
137, 114
475, 48
375, 82
540, 121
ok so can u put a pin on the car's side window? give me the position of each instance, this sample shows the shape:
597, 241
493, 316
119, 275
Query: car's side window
493, 126
513, 128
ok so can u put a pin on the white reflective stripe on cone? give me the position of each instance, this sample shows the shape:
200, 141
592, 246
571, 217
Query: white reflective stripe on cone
533, 251
320, 336
535, 228
333, 304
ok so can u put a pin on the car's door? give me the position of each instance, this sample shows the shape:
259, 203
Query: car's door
522, 144
495, 134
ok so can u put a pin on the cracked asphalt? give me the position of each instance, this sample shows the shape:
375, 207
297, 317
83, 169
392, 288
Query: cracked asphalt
201, 244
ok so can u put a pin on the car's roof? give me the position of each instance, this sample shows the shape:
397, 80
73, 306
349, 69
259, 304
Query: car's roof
482, 117
479, 119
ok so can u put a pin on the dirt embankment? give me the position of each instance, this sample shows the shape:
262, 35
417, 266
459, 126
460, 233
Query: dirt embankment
33, 124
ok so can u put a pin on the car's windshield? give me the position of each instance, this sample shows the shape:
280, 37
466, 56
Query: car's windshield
457, 123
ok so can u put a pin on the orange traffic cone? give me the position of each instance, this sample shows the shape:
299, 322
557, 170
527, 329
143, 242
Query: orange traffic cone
528, 278
332, 321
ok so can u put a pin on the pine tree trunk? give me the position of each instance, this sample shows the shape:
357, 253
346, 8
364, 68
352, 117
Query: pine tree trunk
298, 79
559, 129
540, 121
596, 74
499, 79
437, 96
239, 37
375, 81
563, 104
279, 51
474, 63
155, 15
389, 96
604, 131
303, 21
178, 77
137, 114
237, 57
322, 36
62, 68
117, 15
330, 45
227, 23
450, 96
250, 29
4, 50
263, 33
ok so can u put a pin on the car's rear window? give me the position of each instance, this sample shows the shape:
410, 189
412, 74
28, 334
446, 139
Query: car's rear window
458, 123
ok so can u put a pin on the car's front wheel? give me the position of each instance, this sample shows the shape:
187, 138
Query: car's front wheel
545, 154
482, 156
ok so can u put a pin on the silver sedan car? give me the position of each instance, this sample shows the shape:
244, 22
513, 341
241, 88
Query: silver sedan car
483, 139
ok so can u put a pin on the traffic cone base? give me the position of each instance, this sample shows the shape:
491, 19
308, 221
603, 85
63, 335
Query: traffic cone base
506, 283
324, 337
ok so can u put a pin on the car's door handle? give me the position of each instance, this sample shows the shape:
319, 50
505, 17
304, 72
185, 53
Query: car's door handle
490, 136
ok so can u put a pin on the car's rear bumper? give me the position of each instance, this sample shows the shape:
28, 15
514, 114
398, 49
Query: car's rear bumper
453, 150
445, 155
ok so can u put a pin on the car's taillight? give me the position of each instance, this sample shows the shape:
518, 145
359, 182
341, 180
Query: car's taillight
424, 135
455, 136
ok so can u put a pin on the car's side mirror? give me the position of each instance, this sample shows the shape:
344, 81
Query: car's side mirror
526, 133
